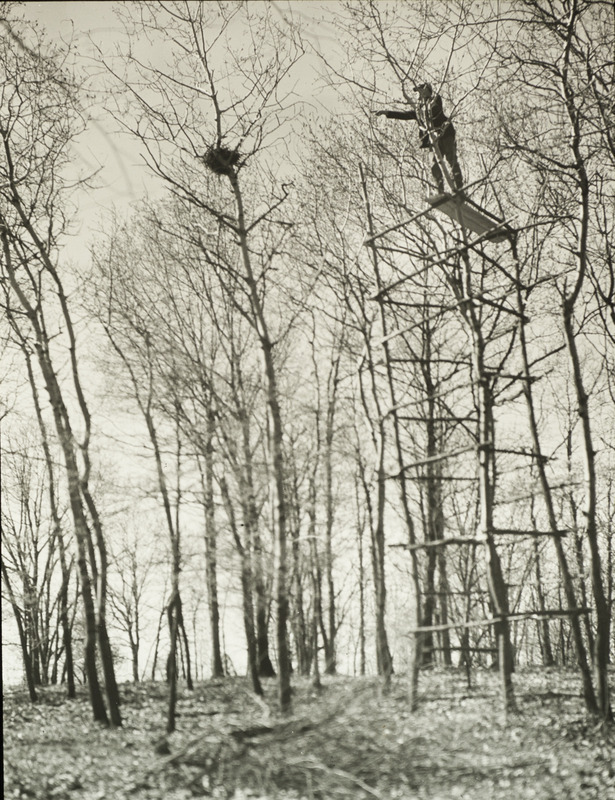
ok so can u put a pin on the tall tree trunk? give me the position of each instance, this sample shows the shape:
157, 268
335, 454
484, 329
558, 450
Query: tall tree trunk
265, 666
545, 488
360, 532
379, 441
317, 611
174, 604
316, 683
299, 626
316, 572
384, 661
486, 483
276, 444
257, 556
106, 654
67, 440
84, 549
244, 551
330, 650
211, 559
433, 493
497, 586
578, 544
603, 613
173, 620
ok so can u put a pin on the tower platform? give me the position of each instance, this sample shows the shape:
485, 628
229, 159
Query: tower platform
470, 215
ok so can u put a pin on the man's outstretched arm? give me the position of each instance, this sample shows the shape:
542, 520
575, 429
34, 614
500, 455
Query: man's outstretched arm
411, 114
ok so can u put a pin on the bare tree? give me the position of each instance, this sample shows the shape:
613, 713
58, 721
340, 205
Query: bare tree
575, 69
130, 334
37, 570
41, 118
133, 566
188, 121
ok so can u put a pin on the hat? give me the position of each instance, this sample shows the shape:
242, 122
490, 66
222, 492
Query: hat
423, 87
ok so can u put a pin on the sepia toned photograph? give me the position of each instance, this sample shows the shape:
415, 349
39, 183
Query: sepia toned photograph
307, 399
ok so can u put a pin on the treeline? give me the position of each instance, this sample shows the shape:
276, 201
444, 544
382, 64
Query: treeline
329, 390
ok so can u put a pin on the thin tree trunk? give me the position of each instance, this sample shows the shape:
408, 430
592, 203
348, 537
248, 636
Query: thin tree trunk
157, 643
134, 652
66, 439
330, 651
211, 559
434, 530
545, 640
444, 590
403, 489
571, 600
85, 546
316, 683
23, 640
316, 573
276, 443
173, 620
360, 532
317, 612
486, 486
257, 561
603, 613
384, 661
244, 551
299, 624
184, 640
577, 539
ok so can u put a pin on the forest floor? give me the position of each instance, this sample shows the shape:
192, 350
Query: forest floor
348, 740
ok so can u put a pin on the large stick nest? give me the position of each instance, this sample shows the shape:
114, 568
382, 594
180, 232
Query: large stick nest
221, 160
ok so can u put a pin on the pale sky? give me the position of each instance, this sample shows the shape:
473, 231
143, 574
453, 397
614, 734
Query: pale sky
122, 178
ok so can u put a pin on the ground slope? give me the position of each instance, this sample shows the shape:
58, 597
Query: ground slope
349, 740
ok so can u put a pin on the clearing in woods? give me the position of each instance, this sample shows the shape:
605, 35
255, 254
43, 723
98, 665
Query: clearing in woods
348, 740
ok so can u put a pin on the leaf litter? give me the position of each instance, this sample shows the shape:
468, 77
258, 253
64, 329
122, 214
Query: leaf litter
348, 740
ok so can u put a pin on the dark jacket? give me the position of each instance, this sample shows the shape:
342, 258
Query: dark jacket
439, 123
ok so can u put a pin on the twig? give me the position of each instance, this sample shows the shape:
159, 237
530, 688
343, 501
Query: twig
313, 763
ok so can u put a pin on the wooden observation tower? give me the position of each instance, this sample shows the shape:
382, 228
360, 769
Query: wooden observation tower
485, 292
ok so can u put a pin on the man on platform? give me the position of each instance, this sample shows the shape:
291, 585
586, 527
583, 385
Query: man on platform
434, 128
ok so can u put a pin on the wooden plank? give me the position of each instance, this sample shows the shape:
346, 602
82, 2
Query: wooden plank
444, 542
538, 493
434, 459
516, 532
484, 623
466, 202
371, 239
471, 216
445, 478
468, 649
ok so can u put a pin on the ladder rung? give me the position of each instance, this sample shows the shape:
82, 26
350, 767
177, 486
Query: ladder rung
441, 542
436, 419
558, 612
435, 459
468, 649
444, 478
515, 532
